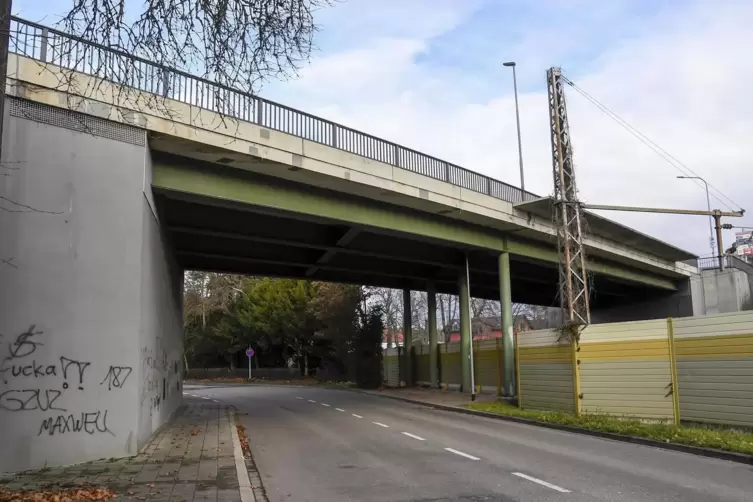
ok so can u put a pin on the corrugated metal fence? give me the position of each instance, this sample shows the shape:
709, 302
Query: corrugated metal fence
693, 369
488, 365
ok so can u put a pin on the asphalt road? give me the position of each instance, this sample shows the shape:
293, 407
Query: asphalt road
321, 445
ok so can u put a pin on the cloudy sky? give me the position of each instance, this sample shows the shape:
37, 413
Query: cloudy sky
428, 74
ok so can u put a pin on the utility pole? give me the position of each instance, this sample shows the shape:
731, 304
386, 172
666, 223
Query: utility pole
716, 214
708, 207
573, 277
511, 64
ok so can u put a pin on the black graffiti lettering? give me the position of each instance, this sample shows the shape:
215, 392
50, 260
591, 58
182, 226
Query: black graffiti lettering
10, 403
116, 376
51, 402
24, 346
89, 422
79, 366
33, 369
30, 400
21, 347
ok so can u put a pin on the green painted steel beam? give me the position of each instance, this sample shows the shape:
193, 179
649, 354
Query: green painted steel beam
222, 184
505, 298
465, 333
408, 337
431, 305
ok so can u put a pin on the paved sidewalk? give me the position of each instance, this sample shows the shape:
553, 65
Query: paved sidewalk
191, 459
432, 396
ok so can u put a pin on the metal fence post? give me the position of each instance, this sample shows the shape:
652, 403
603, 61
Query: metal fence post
399, 368
500, 369
397, 155
334, 135
165, 83
475, 351
43, 45
259, 111
517, 369
673, 366
447, 172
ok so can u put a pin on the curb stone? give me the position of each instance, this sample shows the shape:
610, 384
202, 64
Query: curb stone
742, 458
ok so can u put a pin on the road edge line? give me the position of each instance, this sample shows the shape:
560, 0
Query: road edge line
740, 458
244, 482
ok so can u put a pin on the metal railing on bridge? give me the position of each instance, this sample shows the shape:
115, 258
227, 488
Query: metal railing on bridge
75, 53
730, 261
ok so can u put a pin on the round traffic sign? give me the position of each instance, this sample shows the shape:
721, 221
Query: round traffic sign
250, 352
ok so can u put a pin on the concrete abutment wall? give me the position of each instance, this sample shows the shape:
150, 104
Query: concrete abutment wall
90, 297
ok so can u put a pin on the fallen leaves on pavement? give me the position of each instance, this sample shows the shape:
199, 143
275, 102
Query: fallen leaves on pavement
244, 440
69, 495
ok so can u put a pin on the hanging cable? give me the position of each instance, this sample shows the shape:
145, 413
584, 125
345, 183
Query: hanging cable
669, 158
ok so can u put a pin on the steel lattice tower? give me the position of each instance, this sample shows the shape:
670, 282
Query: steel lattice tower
573, 277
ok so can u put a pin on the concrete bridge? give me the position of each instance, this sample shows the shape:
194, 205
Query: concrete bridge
119, 174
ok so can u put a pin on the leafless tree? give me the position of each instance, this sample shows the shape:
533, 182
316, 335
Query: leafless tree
238, 43
231, 45
448, 306
392, 306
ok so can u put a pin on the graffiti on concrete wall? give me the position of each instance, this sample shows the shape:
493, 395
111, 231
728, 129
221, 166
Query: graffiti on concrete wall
36, 381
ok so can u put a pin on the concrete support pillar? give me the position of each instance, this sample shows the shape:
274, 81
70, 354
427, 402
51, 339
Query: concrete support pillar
91, 296
407, 338
508, 343
465, 333
431, 303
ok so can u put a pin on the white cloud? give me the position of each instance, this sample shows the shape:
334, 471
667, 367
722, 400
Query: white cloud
681, 77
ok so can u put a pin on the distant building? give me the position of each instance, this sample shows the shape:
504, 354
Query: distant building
744, 245
482, 328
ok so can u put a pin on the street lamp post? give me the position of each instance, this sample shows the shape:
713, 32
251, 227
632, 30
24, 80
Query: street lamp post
708, 206
511, 64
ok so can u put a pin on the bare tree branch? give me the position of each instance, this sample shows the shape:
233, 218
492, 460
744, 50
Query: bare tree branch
237, 43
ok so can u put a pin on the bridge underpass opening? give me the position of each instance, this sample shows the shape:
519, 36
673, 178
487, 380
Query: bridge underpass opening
228, 237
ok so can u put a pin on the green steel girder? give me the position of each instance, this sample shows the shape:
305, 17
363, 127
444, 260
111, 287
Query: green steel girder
232, 185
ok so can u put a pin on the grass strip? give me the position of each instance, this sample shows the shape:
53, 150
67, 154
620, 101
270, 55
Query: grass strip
738, 441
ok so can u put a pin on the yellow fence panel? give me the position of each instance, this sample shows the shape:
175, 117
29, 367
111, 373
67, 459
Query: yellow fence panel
545, 371
449, 356
487, 365
422, 364
625, 370
715, 368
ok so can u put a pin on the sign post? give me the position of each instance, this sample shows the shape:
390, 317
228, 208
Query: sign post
250, 354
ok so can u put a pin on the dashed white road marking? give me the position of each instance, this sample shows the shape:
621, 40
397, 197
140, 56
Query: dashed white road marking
357, 416
456, 452
215, 400
311, 401
414, 436
339, 409
325, 404
298, 397
380, 424
541, 482
205, 397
